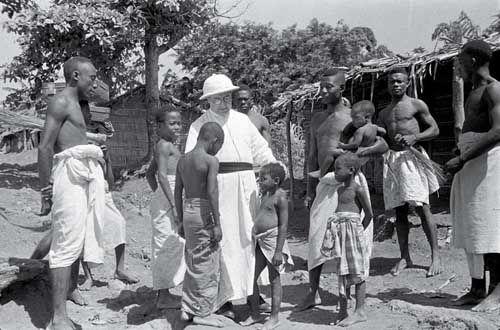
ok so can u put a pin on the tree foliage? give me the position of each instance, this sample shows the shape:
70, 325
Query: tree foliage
271, 61
456, 32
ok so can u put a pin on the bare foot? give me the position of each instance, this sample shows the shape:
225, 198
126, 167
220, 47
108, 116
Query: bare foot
490, 303
309, 302
186, 317
166, 300
270, 324
251, 320
125, 278
265, 308
210, 321
469, 298
85, 286
60, 324
356, 317
435, 267
401, 265
77, 298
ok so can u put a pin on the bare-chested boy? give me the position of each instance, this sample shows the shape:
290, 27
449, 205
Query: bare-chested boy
199, 219
406, 180
475, 192
326, 130
167, 246
244, 104
271, 247
64, 152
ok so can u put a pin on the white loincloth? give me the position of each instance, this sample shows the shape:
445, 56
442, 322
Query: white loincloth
406, 180
237, 194
475, 201
167, 247
78, 207
114, 227
268, 242
323, 208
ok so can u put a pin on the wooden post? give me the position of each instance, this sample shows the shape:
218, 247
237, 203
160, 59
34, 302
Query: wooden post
289, 149
457, 100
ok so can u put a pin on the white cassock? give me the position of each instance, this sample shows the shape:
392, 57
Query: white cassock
238, 194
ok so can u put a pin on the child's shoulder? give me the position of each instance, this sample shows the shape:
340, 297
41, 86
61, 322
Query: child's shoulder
280, 194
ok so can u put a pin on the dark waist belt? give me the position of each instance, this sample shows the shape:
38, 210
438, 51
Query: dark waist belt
230, 167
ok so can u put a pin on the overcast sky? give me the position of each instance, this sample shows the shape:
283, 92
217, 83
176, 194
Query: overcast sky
401, 25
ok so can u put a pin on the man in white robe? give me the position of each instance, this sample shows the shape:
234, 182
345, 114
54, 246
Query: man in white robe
243, 148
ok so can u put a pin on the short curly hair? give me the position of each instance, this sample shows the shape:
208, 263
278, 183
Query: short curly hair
275, 170
478, 49
349, 159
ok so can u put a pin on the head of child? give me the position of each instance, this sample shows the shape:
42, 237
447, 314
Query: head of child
169, 123
346, 166
211, 137
271, 177
362, 113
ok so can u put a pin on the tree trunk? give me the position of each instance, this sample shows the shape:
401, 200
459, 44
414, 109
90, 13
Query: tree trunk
458, 100
289, 149
151, 54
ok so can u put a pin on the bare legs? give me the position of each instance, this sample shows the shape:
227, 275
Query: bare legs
359, 314
403, 229
120, 272
60, 279
312, 298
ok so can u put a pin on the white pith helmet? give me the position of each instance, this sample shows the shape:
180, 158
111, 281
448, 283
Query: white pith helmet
217, 84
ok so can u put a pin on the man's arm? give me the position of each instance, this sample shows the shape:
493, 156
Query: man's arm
364, 200
380, 147
425, 118
110, 178
179, 187
151, 174
282, 211
492, 137
213, 195
312, 163
164, 152
56, 114
266, 130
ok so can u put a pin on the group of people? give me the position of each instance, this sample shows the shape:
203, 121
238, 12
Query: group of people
216, 227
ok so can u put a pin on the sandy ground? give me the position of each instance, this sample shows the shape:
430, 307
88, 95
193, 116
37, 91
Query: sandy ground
409, 301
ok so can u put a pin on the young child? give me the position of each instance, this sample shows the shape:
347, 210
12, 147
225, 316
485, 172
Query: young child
167, 248
345, 239
365, 133
199, 219
271, 248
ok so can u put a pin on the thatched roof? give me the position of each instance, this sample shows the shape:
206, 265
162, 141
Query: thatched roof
420, 64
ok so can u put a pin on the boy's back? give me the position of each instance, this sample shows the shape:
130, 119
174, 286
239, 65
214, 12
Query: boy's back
193, 168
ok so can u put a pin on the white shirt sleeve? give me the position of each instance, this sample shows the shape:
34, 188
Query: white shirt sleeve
191, 139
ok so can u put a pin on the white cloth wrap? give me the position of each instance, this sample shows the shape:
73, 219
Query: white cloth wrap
237, 193
406, 180
475, 201
323, 208
167, 247
78, 207
115, 226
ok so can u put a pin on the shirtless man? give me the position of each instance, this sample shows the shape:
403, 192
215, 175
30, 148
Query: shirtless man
326, 130
474, 212
64, 129
244, 104
405, 179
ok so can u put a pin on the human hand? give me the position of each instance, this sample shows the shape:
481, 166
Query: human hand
408, 140
46, 200
308, 202
454, 165
342, 145
363, 151
216, 234
277, 258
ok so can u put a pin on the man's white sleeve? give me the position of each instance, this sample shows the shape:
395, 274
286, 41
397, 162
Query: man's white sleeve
191, 139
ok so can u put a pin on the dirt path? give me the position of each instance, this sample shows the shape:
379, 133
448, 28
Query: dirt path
403, 302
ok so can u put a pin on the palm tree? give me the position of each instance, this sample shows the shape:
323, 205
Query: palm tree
455, 32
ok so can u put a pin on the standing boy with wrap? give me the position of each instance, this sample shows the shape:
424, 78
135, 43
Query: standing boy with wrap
76, 196
199, 224
167, 247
